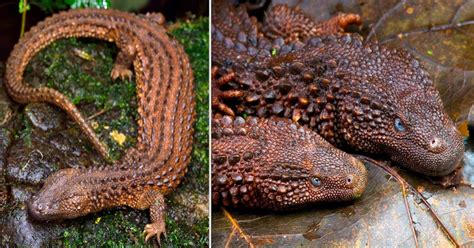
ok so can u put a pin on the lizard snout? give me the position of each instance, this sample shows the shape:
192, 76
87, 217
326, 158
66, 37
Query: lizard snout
35, 209
437, 145
357, 181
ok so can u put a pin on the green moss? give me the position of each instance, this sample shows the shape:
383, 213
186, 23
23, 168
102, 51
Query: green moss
110, 230
80, 69
25, 133
50, 5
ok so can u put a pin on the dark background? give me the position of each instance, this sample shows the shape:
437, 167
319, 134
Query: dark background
10, 23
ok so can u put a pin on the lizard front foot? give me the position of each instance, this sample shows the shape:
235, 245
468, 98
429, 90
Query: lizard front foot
218, 96
122, 72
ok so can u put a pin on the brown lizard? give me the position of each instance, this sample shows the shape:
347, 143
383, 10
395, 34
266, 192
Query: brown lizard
165, 107
359, 96
276, 164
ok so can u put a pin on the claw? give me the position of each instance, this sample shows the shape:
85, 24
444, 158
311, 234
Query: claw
230, 94
214, 72
119, 71
154, 229
216, 103
226, 109
218, 95
225, 79
345, 20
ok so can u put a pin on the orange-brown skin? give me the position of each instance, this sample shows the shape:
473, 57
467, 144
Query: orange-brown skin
283, 21
279, 165
165, 107
269, 164
357, 95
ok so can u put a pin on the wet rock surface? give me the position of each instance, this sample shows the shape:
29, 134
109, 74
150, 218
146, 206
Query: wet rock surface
5, 140
39, 139
43, 116
6, 114
38, 154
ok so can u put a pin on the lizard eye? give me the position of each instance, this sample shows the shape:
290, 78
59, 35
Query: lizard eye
315, 181
399, 125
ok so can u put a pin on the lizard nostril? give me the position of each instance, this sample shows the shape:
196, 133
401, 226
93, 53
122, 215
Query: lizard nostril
437, 145
35, 210
350, 180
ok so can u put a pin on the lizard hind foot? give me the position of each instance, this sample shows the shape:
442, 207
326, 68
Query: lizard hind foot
156, 18
344, 20
155, 228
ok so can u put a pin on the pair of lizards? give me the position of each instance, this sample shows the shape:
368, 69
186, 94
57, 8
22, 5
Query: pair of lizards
310, 90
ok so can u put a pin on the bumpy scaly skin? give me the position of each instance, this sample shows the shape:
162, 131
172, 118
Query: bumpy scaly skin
282, 21
356, 95
270, 164
165, 107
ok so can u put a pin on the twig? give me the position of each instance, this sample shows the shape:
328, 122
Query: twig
7, 115
373, 31
404, 184
441, 27
237, 227
30, 159
458, 11
96, 114
23, 18
227, 243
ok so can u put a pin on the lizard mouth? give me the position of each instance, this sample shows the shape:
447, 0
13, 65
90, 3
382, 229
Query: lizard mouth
358, 180
41, 210
36, 210
440, 159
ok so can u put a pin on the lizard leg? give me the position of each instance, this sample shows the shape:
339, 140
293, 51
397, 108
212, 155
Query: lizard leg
125, 57
123, 65
157, 214
338, 23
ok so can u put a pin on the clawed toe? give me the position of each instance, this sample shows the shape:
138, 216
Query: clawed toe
348, 19
154, 229
121, 72
219, 96
218, 104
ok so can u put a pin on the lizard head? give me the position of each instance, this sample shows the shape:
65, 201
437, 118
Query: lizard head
394, 109
61, 197
422, 137
308, 171
279, 166
328, 177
